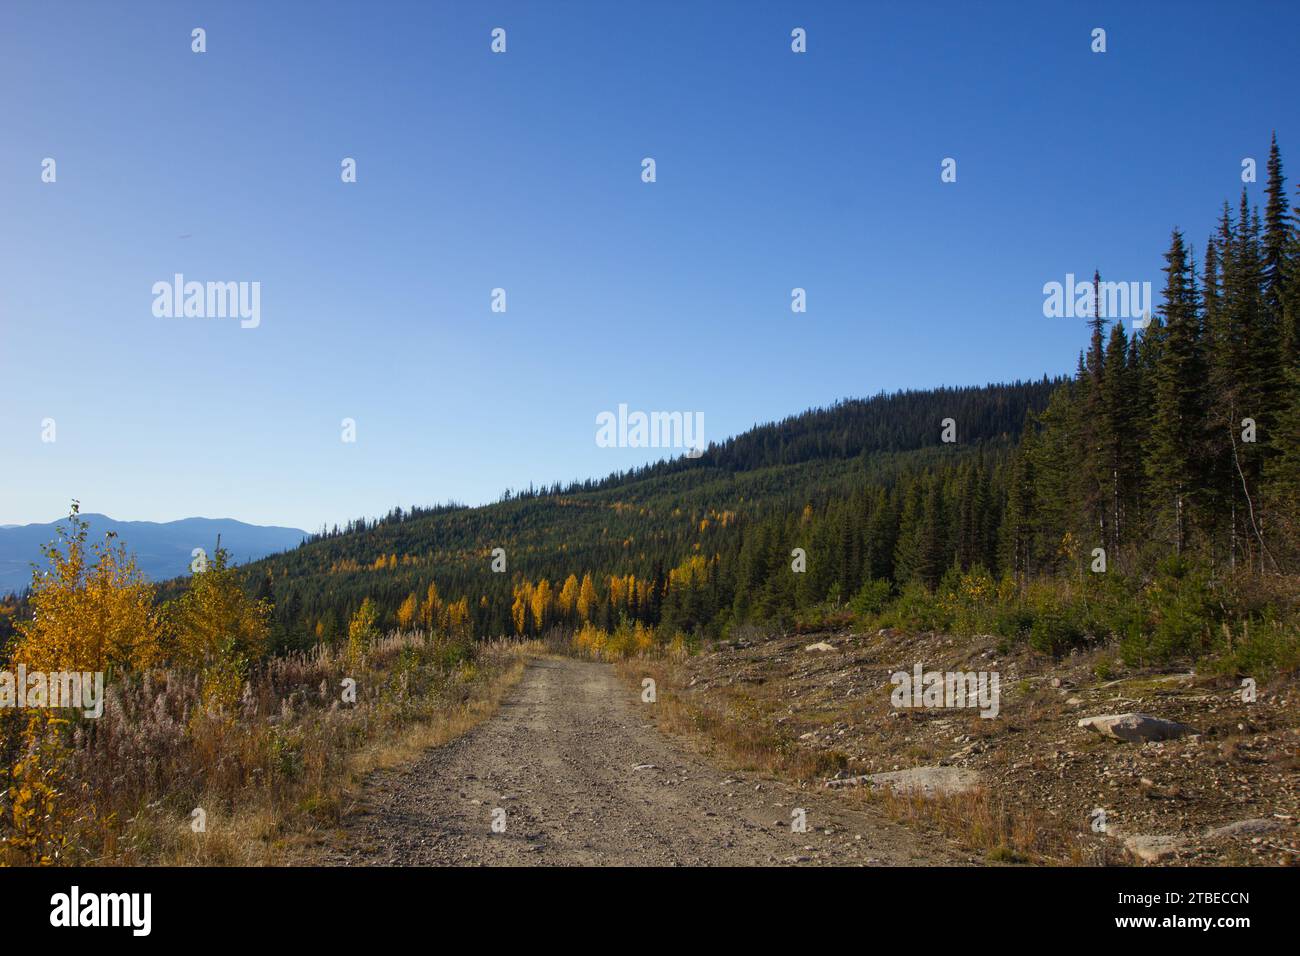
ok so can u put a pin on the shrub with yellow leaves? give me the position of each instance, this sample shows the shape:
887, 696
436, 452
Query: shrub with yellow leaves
362, 631
218, 630
40, 820
215, 621
92, 610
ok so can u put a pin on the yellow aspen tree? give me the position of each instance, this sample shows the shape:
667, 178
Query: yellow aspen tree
431, 609
94, 609
407, 611
362, 631
568, 598
541, 604
587, 599
519, 609
214, 621
458, 617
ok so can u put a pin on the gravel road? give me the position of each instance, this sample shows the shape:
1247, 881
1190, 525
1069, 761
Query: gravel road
573, 772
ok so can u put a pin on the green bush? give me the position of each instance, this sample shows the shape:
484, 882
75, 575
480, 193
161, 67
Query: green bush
918, 610
1180, 612
1055, 630
1265, 647
872, 597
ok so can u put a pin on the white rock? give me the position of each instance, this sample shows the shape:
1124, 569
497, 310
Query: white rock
928, 781
1152, 848
1135, 728
1244, 828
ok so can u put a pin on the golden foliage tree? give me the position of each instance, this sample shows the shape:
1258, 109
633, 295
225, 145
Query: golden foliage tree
362, 630
431, 608
406, 613
215, 621
541, 604
218, 630
519, 609
458, 617
617, 591
93, 610
587, 599
568, 597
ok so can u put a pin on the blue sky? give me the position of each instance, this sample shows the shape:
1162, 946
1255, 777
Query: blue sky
523, 171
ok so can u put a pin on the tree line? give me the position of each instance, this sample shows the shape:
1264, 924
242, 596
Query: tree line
1181, 439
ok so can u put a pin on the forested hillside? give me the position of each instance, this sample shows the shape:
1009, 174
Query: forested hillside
1173, 454
1150, 498
657, 528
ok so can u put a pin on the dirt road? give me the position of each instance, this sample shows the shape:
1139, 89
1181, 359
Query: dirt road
574, 769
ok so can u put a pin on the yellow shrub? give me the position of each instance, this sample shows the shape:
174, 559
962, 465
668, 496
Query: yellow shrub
215, 622
91, 611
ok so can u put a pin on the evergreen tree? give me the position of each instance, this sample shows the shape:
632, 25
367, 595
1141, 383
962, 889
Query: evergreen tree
1018, 523
1119, 438
1276, 234
1176, 413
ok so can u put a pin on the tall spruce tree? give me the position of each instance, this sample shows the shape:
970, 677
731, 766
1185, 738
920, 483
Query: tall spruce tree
1176, 413
1093, 427
1276, 234
1119, 438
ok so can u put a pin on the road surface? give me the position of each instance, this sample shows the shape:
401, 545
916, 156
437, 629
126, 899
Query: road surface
572, 771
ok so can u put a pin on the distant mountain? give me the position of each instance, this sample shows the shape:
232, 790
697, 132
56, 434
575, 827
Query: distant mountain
162, 550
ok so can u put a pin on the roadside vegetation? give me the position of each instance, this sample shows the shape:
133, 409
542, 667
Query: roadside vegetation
210, 751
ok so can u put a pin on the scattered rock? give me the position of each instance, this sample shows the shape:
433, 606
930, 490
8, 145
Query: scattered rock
1136, 728
929, 781
846, 781
1244, 828
1152, 848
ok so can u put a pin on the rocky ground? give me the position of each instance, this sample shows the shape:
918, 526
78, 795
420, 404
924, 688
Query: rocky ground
1223, 790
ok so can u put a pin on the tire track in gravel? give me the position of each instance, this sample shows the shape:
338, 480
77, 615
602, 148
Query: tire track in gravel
584, 778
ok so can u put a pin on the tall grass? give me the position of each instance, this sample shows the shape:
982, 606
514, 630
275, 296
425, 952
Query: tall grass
134, 786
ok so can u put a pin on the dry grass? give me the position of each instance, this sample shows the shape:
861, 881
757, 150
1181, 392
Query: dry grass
271, 774
728, 720
1004, 833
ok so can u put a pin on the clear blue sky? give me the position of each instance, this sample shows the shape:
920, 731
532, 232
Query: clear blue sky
522, 171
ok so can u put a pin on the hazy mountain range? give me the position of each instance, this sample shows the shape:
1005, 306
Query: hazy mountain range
162, 549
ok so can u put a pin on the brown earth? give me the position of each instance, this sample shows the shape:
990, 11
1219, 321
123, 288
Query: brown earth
574, 760
820, 713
